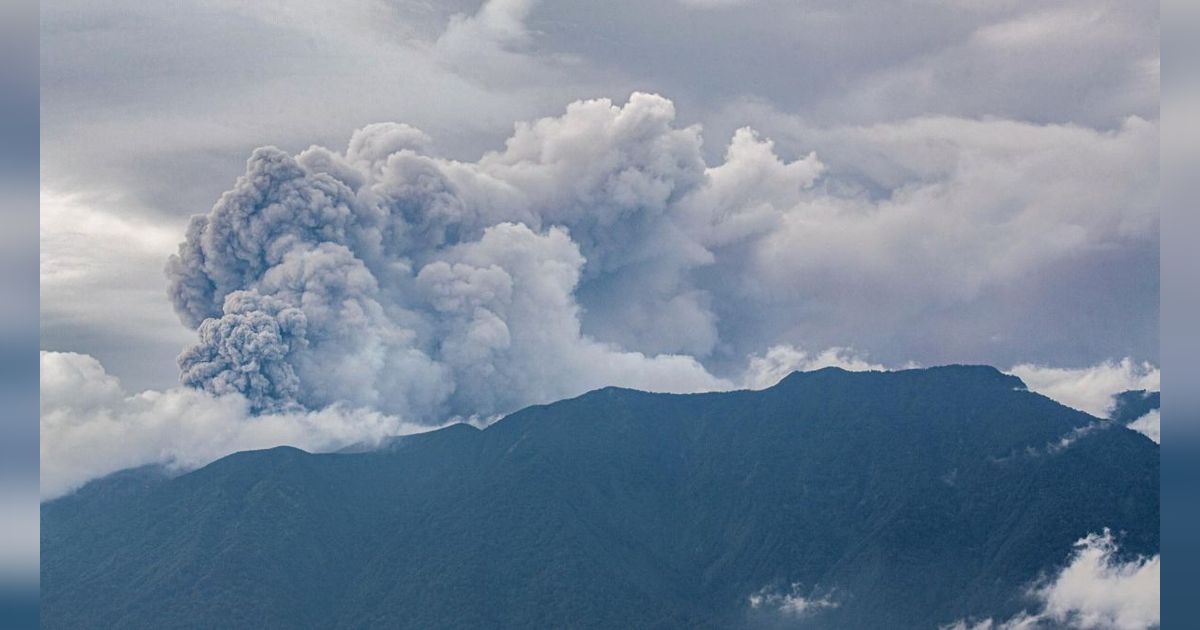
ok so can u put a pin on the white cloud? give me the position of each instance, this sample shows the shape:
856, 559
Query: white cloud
947, 239
1089, 389
1067, 439
792, 603
1095, 591
972, 205
91, 427
1148, 425
779, 361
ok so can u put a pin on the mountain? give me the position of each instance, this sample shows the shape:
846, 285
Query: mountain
1130, 405
885, 499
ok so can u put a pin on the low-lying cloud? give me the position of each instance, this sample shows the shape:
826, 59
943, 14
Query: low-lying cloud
1096, 590
91, 427
795, 602
1148, 425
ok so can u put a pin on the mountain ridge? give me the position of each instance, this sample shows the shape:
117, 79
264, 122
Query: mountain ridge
627, 508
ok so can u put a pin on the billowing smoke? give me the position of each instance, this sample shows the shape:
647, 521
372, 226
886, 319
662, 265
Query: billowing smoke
246, 350
599, 248
390, 279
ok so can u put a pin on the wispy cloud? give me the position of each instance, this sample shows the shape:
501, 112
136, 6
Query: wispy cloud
794, 602
1096, 590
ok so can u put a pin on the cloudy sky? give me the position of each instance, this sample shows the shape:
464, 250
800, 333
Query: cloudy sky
467, 208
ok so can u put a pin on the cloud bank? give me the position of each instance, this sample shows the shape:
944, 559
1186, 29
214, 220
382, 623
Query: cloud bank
1095, 591
91, 427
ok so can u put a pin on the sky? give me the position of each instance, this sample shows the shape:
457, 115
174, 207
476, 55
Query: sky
415, 212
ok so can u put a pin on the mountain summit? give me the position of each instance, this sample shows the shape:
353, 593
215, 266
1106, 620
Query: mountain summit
834, 499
